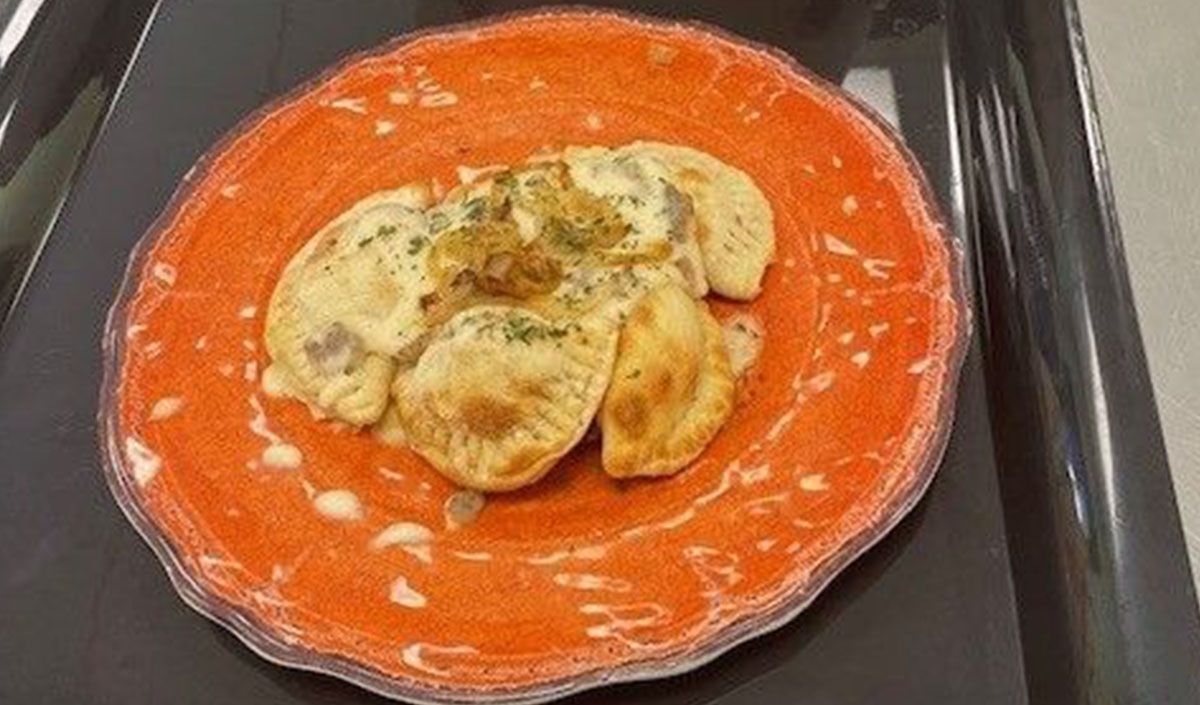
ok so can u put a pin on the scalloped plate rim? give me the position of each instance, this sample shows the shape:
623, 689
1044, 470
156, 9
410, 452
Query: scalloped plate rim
269, 647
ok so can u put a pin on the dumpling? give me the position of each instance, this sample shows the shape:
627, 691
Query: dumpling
534, 238
513, 238
541, 202
348, 305
672, 387
388, 430
734, 224
615, 290
501, 393
661, 221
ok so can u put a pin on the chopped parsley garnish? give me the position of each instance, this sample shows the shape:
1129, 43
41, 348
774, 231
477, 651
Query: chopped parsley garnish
476, 208
570, 300
416, 244
438, 222
569, 236
522, 329
527, 330
385, 230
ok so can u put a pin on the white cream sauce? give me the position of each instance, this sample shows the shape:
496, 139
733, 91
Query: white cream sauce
283, 456
338, 505
412, 538
144, 463
165, 408
404, 595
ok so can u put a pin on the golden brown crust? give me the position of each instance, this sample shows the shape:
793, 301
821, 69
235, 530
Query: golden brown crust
392, 297
501, 394
488, 417
672, 387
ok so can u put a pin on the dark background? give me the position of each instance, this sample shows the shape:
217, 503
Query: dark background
940, 612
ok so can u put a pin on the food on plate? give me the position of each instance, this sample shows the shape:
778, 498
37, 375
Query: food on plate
672, 386
336, 544
483, 331
734, 226
743, 335
347, 306
501, 393
661, 223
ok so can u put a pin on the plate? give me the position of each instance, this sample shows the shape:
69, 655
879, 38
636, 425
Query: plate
579, 580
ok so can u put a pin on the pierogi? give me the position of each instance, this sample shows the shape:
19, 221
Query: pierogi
489, 331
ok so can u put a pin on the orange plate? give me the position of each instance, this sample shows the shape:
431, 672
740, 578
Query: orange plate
579, 580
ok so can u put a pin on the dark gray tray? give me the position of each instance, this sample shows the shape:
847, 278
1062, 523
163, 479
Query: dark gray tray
1045, 566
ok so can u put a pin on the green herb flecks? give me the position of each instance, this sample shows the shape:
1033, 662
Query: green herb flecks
506, 180
416, 244
476, 208
526, 330
568, 235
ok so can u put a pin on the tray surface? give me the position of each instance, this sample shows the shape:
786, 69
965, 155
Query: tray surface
929, 614
550, 591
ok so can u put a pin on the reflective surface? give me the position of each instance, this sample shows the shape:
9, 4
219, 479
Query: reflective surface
60, 64
1106, 603
928, 616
